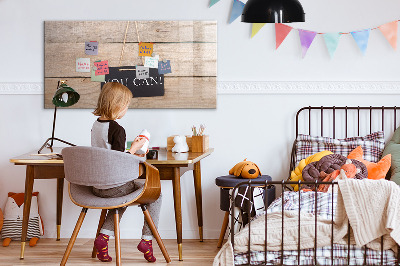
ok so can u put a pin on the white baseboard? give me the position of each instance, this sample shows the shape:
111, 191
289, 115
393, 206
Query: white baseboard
260, 87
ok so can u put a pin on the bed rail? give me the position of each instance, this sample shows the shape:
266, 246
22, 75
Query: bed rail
265, 185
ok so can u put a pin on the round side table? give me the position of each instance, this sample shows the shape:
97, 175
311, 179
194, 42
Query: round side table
228, 182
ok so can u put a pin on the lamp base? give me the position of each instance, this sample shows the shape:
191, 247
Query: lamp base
50, 146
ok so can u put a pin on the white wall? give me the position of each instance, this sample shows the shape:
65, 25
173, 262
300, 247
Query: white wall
257, 127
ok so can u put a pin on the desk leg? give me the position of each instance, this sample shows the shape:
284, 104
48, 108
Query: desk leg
199, 204
176, 182
27, 206
60, 190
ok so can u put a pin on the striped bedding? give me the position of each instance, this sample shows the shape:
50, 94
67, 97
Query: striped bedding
306, 202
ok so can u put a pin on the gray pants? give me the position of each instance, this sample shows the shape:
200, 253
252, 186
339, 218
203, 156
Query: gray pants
154, 208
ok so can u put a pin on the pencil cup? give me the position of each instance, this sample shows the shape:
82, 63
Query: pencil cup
200, 143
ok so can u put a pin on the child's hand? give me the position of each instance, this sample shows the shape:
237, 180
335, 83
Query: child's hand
137, 144
143, 155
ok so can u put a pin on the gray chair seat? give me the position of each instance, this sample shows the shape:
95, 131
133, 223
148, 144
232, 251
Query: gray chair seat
83, 196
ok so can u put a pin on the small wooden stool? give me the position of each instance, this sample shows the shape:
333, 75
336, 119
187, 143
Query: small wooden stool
226, 183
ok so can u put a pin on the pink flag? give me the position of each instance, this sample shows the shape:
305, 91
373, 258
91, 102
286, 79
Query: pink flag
306, 39
281, 31
389, 30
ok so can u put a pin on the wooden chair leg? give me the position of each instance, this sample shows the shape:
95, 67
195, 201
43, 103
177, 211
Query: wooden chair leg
101, 222
73, 237
117, 238
154, 230
223, 229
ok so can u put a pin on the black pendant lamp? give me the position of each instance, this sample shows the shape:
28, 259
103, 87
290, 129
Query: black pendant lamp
273, 11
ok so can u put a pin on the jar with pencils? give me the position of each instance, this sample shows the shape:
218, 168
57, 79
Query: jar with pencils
199, 140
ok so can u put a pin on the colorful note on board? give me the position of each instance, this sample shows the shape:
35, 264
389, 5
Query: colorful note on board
99, 78
83, 65
101, 68
151, 61
142, 72
145, 49
91, 48
164, 67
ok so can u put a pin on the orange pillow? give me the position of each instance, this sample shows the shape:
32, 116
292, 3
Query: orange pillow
375, 170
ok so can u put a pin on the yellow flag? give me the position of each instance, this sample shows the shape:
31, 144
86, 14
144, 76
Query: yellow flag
256, 27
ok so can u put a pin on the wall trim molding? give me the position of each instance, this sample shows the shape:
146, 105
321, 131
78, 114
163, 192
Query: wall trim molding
309, 87
21, 88
259, 87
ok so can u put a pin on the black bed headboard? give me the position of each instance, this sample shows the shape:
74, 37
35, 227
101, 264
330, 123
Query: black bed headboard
346, 112
344, 121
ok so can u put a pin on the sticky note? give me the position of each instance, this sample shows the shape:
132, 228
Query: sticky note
99, 78
91, 48
151, 62
102, 68
145, 49
164, 67
142, 72
83, 65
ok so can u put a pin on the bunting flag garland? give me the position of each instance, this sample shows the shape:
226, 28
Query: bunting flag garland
332, 41
237, 9
389, 30
281, 31
361, 38
306, 39
256, 27
213, 2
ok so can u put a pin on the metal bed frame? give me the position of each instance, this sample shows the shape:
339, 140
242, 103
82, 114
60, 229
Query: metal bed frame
283, 184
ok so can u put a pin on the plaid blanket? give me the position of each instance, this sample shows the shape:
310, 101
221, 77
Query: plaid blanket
323, 205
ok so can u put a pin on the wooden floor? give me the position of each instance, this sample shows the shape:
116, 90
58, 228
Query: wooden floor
50, 252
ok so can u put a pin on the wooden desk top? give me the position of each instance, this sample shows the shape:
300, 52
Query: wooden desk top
164, 157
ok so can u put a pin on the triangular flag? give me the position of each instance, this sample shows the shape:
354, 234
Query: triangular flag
255, 28
213, 2
306, 39
332, 41
281, 31
361, 37
237, 9
390, 32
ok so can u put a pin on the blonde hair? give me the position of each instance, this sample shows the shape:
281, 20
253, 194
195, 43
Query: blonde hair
113, 98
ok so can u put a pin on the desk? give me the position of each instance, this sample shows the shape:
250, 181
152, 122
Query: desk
170, 165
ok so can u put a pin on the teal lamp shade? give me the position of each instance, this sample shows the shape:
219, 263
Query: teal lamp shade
65, 96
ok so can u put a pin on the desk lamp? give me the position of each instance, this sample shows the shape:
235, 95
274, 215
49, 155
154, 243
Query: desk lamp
65, 96
273, 11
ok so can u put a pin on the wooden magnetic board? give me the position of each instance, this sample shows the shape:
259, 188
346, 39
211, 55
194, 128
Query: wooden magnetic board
191, 47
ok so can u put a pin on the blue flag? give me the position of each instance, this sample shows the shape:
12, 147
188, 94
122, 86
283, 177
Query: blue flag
361, 38
237, 9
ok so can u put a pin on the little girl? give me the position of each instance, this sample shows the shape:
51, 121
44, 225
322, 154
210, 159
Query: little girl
112, 104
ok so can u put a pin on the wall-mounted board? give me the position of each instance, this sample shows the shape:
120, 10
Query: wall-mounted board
191, 47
